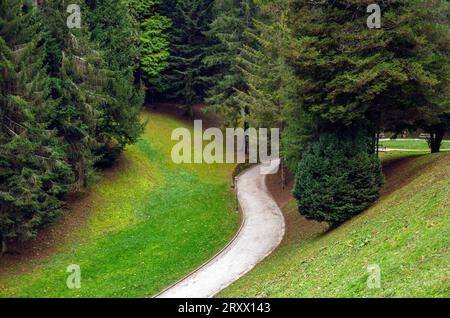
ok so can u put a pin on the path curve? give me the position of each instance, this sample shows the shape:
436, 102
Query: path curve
261, 232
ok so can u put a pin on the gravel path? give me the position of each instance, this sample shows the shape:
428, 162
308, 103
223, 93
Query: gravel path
261, 232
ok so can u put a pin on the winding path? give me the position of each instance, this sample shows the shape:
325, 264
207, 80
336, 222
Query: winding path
261, 232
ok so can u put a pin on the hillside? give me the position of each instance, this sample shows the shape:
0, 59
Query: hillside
142, 227
405, 232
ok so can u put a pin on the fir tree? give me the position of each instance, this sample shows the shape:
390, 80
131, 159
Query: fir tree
350, 72
185, 78
34, 175
74, 95
233, 20
117, 33
270, 96
154, 41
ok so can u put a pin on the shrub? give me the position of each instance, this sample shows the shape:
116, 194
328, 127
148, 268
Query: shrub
337, 178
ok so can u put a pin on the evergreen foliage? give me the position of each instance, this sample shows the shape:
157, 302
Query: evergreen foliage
70, 100
337, 177
34, 173
229, 31
154, 40
73, 103
270, 98
389, 76
117, 33
185, 79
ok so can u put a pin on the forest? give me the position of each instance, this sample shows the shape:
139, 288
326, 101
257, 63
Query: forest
71, 98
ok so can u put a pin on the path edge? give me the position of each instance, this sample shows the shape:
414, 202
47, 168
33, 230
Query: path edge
243, 221
212, 258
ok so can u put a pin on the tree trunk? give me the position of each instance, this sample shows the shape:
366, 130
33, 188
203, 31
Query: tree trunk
4, 245
189, 111
377, 142
246, 127
435, 141
152, 101
377, 136
283, 174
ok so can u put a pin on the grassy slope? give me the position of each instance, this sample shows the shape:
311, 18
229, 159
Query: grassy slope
411, 144
406, 233
148, 226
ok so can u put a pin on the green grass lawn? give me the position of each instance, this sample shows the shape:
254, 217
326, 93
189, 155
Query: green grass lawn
412, 144
406, 233
149, 225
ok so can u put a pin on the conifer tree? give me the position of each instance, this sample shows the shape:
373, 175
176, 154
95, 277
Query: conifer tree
386, 76
270, 96
185, 78
433, 53
115, 30
233, 20
34, 175
154, 41
75, 97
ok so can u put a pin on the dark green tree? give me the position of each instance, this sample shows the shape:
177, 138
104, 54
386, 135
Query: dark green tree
154, 41
387, 76
229, 31
116, 31
270, 97
34, 174
185, 78
74, 92
338, 177
431, 19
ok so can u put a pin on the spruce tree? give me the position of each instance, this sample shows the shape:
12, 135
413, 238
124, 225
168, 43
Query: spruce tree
351, 72
233, 20
270, 98
75, 91
154, 41
34, 175
338, 176
115, 30
185, 78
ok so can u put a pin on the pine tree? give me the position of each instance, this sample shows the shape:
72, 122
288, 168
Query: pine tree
270, 98
154, 41
185, 78
337, 177
233, 19
75, 91
113, 27
34, 175
350, 72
